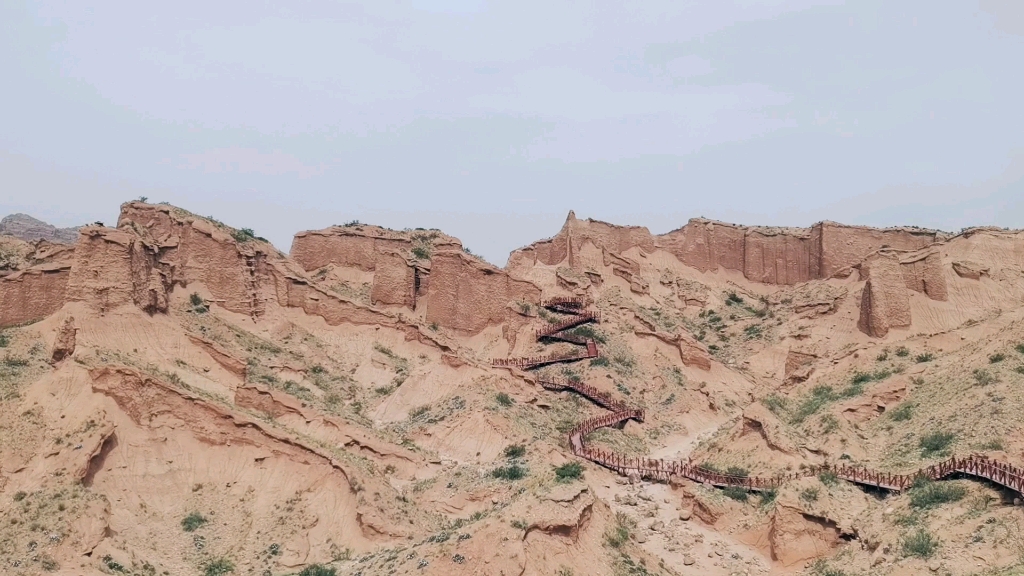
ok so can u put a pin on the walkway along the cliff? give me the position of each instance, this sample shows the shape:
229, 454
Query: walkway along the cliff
1000, 473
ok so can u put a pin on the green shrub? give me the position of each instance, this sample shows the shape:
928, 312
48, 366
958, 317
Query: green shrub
736, 493
737, 471
997, 357
588, 332
925, 357
569, 472
318, 570
4, 340
936, 443
504, 399
828, 478
511, 472
768, 496
883, 356
199, 306
734, 298
920, 544
903, 412
928, 494
821, 568
984, 377
829, 424
20, 495
421, 252
219, 567
513, 451
193, 522
243, 235
618, 535
1019, 369
1019, 348
809, 494
15, 361
903, 352
774, 403
599, 361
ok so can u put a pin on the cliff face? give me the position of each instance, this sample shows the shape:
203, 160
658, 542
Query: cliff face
362, 246
763, 254
33, 279
468, 295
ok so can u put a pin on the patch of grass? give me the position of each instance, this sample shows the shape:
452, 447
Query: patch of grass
318, 570
504, 399
1019, 369
927, 494
733, 298
384, 390
997, 357
776, 404
809, 494
768, 497
618, 535
219, 567
737, 471
20, 495
829, 424
520, 524
4, 340
883, 356
1019, 348
822, 568
569, 472
193, 522
383, 349
599, 361
514, 451
421, 252
936, 443
511, 472
903, 351
586, 331
828, 478
924, 357
996, 444
920, 543
736, 493
983, 377
903, 412
15, 361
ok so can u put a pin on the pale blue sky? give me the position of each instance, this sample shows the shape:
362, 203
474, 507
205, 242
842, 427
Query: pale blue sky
491, 120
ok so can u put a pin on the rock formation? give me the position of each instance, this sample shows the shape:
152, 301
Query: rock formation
29, 229
884, 301
64, 343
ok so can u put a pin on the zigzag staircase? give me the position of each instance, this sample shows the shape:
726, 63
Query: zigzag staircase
978, 466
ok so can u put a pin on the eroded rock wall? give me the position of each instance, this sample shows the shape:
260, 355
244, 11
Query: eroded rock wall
467, 295
362, 247
884, 302
33, 294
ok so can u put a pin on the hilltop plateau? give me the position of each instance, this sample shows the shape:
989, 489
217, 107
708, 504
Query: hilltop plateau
178, 396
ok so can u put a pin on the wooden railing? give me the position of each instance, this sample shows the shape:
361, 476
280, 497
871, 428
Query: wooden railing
976, 465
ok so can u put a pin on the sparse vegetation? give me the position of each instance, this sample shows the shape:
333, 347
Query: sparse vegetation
736, 493
514, 451
829, 424
822, 568
983, 377
421, 252
996, 358
903, 412
809, 494
318, 570
600, 361
618, 535
768, 496
198, 305
243, 235
936, 443
511, 472
774, 403
920, 543
1019, 348
733, 298
4, 340
504, 399
569, 472
924, 357
828, 478
193, 522
903, 351
927, 494
219, 567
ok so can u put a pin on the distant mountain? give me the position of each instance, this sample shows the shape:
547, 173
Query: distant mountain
28, 229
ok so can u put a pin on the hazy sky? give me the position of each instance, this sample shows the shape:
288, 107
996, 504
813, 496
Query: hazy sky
491, 120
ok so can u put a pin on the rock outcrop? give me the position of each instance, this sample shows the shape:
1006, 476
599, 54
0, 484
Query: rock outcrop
922, 272
795, 536
64, 342
467, 294
362, 246
33, 294
29, 229
769, 255
884, 301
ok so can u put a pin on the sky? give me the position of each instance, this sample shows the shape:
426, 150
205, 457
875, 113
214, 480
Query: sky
491, 120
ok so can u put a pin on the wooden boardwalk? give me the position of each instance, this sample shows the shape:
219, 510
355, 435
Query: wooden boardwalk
978, 466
